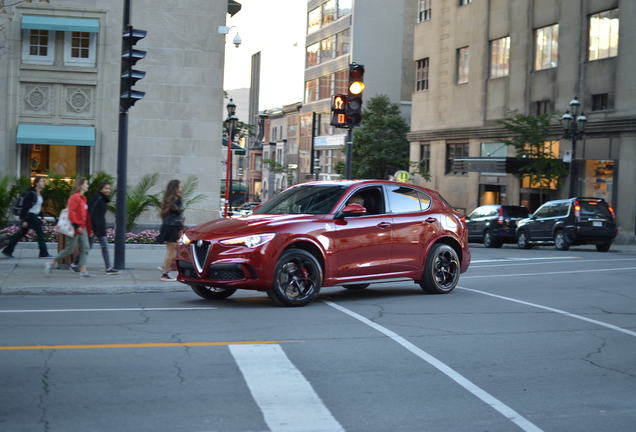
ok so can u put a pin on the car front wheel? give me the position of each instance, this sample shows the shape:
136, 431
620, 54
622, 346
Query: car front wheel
523, 242
297, 278
212, 293
561, 241
441, 272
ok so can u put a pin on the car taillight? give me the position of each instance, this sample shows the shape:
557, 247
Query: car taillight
612, 212
463, 219
500, 219
577, 210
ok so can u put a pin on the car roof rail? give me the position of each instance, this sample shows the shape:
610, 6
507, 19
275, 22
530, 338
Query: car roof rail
589, 198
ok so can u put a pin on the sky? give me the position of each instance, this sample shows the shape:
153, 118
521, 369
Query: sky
277, 29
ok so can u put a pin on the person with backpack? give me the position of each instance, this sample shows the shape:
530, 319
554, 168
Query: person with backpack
29, 212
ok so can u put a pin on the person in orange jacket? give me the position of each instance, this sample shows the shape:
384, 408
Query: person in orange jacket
79, 217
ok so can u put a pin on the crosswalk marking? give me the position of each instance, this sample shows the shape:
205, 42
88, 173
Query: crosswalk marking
287, 400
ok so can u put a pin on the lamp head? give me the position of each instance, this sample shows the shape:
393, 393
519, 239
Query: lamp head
231, 108
566, 121
574, 105
237, 40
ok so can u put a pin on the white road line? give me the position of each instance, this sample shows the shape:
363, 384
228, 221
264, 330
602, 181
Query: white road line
525, 259
549, 273
104, 310
286, 398
550, 309
549, 262
486, 397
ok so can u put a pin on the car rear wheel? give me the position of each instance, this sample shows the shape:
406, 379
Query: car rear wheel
356, 286
297, 278
523, 242
489, 241
603, 247
561, 241
212, 293
441, 272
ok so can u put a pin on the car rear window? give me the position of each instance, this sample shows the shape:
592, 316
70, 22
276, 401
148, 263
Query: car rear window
595, 209
516, 212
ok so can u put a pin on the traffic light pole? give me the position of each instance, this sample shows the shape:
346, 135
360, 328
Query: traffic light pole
349, 145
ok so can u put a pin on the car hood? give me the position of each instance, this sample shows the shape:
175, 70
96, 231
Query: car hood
237, 226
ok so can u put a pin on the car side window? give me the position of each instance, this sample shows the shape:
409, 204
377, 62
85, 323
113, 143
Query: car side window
492, 211
370, 198
475, 213
425, 200
403, 199
542, 212
560, 210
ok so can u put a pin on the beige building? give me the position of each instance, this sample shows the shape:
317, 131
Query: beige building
476, 61
60, 78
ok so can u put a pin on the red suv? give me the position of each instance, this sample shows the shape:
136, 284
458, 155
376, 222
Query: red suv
316, 234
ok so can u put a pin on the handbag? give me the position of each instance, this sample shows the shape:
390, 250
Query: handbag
64, 225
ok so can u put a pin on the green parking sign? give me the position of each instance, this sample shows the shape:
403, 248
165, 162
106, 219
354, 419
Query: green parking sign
402, 176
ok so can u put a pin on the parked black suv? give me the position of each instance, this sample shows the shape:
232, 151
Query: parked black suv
573, 221
494, 225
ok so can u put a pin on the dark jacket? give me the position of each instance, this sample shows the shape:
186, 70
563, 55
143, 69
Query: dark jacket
97, 207
174, 217
29, 201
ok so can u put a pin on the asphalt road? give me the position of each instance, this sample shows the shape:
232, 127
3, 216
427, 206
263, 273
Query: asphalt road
536, 340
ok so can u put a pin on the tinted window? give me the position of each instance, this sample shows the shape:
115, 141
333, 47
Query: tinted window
310, 199
542, 211
559, 209
516, 212
370, 198
594, 209
425, 200
403, 199
491, 211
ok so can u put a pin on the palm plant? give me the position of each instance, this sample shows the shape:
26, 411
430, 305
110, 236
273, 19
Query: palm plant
188, 187
56, 193
139, 199
10, 188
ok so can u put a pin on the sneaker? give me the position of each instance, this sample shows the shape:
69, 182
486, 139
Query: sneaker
74, 268
9, 256
86, 274
111, 271
47, 267
166, 278
160, 268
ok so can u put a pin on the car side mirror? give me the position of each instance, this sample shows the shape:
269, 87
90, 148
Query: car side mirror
351, 210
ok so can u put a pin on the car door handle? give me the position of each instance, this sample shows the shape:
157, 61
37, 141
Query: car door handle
383, 225
430, 220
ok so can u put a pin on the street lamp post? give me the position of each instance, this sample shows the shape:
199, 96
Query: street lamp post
573, 130
231, 123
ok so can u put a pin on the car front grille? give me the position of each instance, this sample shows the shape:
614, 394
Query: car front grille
200, 251
226, 272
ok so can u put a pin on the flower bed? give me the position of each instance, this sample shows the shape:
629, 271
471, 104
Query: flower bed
143, 237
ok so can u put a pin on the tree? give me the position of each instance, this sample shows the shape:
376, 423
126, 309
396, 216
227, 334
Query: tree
380, 146
530, 136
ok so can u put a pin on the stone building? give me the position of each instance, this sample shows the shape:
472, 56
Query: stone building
475, 62
60, 79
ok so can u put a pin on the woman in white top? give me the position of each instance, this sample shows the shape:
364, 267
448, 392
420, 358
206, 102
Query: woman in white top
30, 219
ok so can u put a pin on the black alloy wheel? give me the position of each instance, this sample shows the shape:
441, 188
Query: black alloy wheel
490, 242
356, 286
212, 293
561, 241
603, 247
297, 278
442, 269
523, 242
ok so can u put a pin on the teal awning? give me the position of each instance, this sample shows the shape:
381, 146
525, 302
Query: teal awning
237, 149
56, 135
31, 22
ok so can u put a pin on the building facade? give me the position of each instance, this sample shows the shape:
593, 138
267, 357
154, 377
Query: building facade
476, 62
60, 79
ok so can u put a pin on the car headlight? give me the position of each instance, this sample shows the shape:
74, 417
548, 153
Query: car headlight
250, 241
184, 240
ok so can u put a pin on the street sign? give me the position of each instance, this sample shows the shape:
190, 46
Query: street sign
402, 176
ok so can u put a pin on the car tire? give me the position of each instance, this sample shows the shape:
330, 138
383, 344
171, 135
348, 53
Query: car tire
489, 242
297, 278
603, 247
356, 286
212, 293
442, 269
523, 242
561, 241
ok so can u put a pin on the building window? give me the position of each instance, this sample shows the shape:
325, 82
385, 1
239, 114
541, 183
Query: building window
329, 12
465, 2
38, 46
542, 107
344, 7
494, 149
328, 48
546, 47
314, 18
324, 87
423, 10
425, 159
455, 151
600, 102
500, 57
343, 41
603, 35
463, 57
312, 57
341, 81
311, 90
79, 48
421, 74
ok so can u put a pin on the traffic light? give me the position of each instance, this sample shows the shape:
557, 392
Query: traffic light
339, 111
130, 76
354, 94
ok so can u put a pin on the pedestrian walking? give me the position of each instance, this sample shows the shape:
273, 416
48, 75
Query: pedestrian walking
30, 219
97, 207
78, 215
171, 225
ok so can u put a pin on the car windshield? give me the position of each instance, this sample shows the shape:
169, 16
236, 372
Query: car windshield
595, 209
516, 212
309, 199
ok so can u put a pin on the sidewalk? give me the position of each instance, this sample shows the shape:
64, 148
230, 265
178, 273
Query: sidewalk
25, 273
